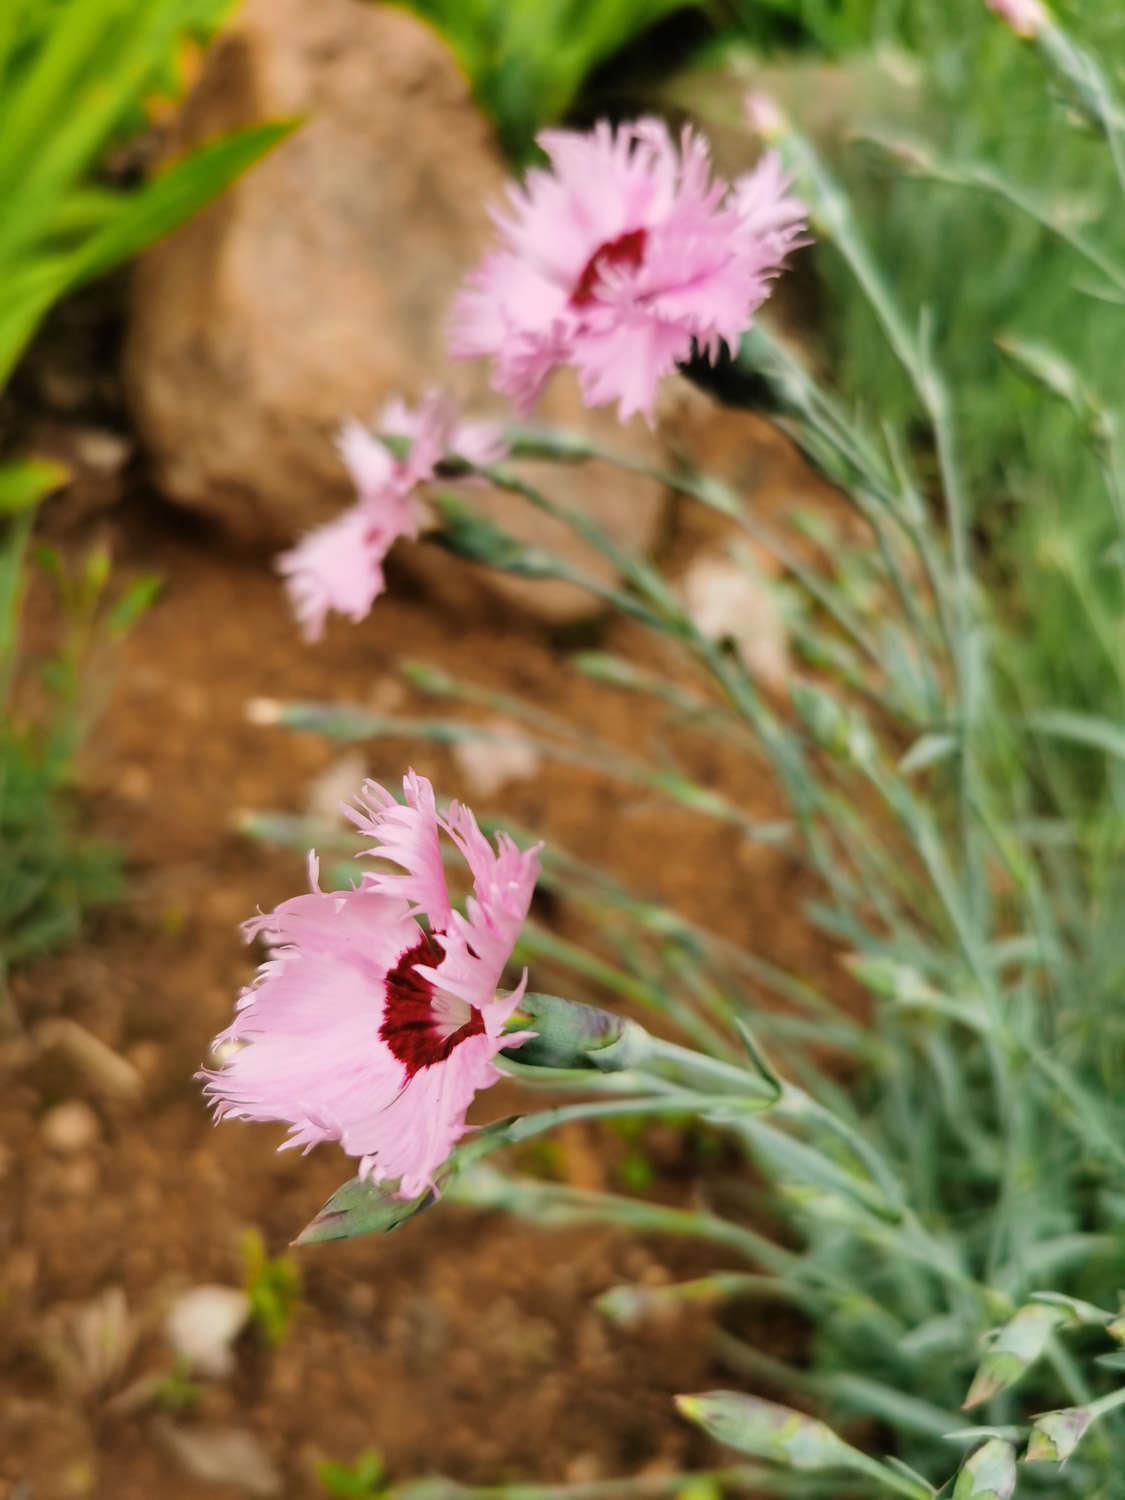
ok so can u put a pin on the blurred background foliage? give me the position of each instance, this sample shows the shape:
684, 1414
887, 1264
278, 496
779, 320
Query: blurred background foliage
78, 79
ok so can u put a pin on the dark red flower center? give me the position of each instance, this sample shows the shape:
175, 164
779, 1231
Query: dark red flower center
626, 250
420, 1025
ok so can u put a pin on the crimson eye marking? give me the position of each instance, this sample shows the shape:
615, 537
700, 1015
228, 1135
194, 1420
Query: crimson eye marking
421, 1024
626, 250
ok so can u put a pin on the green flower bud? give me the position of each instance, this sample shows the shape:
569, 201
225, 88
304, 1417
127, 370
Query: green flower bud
363, 1207
1056, 1434
569, 1034
841, 732
988, 1474
1015, 1348
765, 1430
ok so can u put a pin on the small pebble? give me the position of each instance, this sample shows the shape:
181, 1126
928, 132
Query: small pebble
70, 1128
101, 450
78, 1178
203, 1324
489, 764
135, 784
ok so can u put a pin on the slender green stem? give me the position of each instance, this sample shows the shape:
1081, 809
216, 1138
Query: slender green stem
724, 501
627, 1302
890, 1479
557, 1203
730, 1077
1105, 1404
1081, 72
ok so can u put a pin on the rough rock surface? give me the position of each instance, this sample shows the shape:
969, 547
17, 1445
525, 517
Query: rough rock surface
321, 282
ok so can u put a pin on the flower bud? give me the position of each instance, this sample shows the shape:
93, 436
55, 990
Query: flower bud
763, 115
840, 732
569, 1034
765, 1430
1056, 1434
988, 1474
1027, 18
1014, 1349
365, 1207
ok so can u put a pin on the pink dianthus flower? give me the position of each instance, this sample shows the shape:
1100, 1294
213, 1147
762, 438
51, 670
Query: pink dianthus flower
622, 258
1026, 17
339, 566
365, 1027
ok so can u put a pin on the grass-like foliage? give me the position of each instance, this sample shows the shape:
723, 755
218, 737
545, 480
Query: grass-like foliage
50, 871
354, 1481
528, 59
273, 1285
1043, 245
956, 1215
73, 74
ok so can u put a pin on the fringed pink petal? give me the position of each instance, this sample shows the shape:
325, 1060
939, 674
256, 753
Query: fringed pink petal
479, 944
371, 466
774, 220
436, 430
406, 836
339, 567
309, 1051
408, 1139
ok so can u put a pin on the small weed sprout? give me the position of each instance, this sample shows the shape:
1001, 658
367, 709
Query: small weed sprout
273, 1285
362, 1478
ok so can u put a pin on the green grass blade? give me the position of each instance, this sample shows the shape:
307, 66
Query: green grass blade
24, 483
1089, 730
180, 191
44, 94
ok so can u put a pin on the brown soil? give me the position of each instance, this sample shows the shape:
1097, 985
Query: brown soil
465, 1344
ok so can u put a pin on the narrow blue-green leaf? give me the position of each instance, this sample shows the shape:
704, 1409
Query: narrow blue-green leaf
901, 1411
1080, 729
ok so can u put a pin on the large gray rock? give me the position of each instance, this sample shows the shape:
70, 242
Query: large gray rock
320, 284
